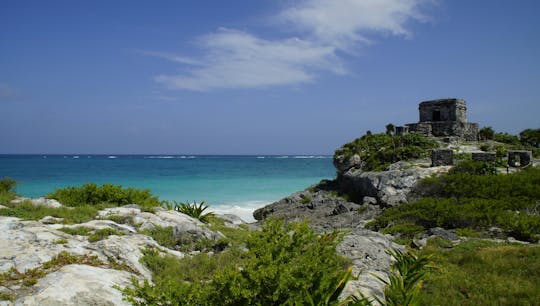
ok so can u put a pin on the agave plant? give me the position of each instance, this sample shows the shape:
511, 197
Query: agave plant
195, 210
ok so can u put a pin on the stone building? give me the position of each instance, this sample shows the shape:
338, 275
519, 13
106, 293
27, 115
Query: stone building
443, 118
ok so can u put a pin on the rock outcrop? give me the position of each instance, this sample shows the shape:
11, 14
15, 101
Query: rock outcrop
389, 188
27, 246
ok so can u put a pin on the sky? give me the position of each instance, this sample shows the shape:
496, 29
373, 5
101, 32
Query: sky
258, 76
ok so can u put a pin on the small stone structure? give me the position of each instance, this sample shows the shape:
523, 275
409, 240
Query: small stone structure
484, 156
444, 117
519, 158
401, 130
442, 157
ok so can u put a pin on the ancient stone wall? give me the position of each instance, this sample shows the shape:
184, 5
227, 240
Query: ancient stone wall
443, 110
442, 157
519, 158
484, 156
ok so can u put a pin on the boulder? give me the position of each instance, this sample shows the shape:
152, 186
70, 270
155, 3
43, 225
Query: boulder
323, 209
42, 201
343, 163
389, 188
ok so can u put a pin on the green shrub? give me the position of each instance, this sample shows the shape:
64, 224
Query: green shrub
110, 195
474, 167
506, 138
377, 151
192, 209
7, 185
306, 199
279, 265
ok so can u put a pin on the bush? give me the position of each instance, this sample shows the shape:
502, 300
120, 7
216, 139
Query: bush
470, 201
377, 151
281, 264
506, 138
193, 210
474, 167
109, 195
7, 185
486, 133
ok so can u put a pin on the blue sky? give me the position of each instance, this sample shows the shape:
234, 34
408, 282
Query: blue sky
255, 77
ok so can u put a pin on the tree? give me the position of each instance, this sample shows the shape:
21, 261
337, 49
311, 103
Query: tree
390, 129
530, 137
486, 133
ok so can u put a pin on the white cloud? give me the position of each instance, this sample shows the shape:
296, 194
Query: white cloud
343, 23
237, 59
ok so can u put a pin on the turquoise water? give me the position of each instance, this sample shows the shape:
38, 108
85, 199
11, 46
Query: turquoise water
235, 184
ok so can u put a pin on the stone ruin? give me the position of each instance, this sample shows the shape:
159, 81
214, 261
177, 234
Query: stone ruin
442, 118
519, 158
442, 157
489, 157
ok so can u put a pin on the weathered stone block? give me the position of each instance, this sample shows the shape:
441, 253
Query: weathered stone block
484, 156
442, 157
519, 158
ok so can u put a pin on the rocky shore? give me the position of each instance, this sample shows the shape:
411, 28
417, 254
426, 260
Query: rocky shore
41, 265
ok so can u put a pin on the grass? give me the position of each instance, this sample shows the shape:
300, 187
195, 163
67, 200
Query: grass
27, 211
483, 273
93, 235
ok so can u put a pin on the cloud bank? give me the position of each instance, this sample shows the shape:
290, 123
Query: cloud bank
324, 28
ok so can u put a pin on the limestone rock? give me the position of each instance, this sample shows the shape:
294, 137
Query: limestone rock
391, 187
51, 220
79, 285
343, 163
42, 201
325, 211
28, 244
367, 251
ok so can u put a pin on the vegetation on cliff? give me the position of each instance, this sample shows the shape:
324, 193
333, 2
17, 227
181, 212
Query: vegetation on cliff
378, 151
470, 201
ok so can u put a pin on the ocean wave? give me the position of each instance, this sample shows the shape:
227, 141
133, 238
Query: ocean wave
312, 156
112, 156
168, 157
244, 210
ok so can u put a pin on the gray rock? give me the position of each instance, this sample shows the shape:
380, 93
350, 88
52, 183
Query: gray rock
390, 188
51, 220
343, 163
325, 211
443, 233
367, 251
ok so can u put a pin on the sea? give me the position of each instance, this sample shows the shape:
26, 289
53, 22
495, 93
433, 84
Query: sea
228, 184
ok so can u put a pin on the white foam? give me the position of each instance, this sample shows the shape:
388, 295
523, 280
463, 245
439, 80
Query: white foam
112, 156
243, 210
